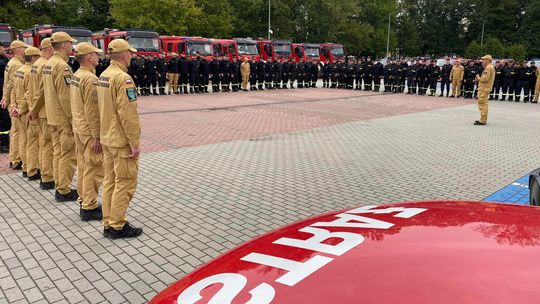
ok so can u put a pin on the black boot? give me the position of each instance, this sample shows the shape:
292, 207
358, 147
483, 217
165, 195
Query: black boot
91, 215
46, 185
71, 196
127, 231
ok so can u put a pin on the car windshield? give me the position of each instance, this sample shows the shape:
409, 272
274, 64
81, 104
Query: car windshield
312, 52
199, 48
338, 51
247, 49
145, 44
282, 48
82, 39
5, 37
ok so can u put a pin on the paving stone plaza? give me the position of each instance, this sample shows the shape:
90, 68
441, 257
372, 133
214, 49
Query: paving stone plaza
220, 169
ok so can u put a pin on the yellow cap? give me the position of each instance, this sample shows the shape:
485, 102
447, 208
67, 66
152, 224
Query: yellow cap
84, 48
32, 51
120, 45
62, 37
45, 43
17, 44
488, 57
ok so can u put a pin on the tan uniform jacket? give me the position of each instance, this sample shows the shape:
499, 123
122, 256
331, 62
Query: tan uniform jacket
21, 87
487, 79
38, 104
9, 76
56, 78
117, 99
457, 72
84, 102
244, 68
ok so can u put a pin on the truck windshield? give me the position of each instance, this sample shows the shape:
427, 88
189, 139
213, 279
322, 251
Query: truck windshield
202, 48
338, 51
5, 37
312, 52
145, 44
247, 49
284, 49
82, 39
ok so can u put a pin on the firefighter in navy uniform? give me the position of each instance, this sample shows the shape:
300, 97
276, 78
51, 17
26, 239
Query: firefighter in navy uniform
470, 74
523, 76
314, 72
261, 74
301, 69
184, 74
161, 67
224, 69
326, 74
378, 72
139, 73
234, 74
509, 74
343, 67
411, 78
423, 77
151, 76
403, 74
445, 78
293, 72
205, 74
358, 74
350, 75
397, 76
268, 74
276, 70
434, 74
532, 81
388, 75
253, 72
215, 74
196, 74
497, 85
333, 74
368, 74
480, 69
285, 73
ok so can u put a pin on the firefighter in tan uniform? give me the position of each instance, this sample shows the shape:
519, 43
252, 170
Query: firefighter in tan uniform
56, 79
537, 86
120, 137
85, 111
38, 114
28, 131
456, 76
17, 48
245, 71
485, 85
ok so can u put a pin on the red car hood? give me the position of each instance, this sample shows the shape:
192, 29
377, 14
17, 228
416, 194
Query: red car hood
421, 252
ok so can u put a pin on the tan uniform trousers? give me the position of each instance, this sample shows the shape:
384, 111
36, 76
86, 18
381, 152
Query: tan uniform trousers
89, 171
14, 138
32, 146
456, 87
45, 151
64, 159
245, 79
21, 126
483, 104
173, 82
119, 185
537, 88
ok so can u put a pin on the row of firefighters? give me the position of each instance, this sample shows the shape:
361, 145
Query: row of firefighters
195, 75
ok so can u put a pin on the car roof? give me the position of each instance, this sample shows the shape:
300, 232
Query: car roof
418, 252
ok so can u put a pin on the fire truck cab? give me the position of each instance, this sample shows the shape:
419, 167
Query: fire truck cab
35, 35
146, 42
298, 52
311, 51
331, 52
190, 46
266, 49
282, 48
247, 48
7, 34
225, 47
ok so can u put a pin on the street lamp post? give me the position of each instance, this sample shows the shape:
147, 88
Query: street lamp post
269, 30
388, 37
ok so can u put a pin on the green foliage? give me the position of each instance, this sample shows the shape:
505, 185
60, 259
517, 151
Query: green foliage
516, 52
494, 47
474, 50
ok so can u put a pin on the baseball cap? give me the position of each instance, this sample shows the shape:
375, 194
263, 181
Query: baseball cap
62, 37
45, 43
32, 51
120, 45
17, 44
488, 57
84, 48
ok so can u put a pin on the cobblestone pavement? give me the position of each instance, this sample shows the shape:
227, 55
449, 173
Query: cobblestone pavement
219, 170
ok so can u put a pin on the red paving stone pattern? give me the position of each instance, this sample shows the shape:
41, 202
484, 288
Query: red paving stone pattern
170, 122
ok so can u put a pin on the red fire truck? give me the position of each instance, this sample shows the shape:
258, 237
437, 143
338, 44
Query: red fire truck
298, 52
7, 34
282, 48
35, 35
266, 49
311, 51
189, 46
225, 47
331, 51
146, 42
247, 47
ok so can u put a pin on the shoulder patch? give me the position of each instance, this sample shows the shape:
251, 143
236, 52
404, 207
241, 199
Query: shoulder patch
129, 81
67, 69
131, 94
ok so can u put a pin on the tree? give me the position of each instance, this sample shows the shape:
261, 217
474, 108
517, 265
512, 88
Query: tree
494, 47
474, 50
516, 52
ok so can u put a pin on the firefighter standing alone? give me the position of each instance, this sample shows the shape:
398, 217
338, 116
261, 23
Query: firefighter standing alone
485, 84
